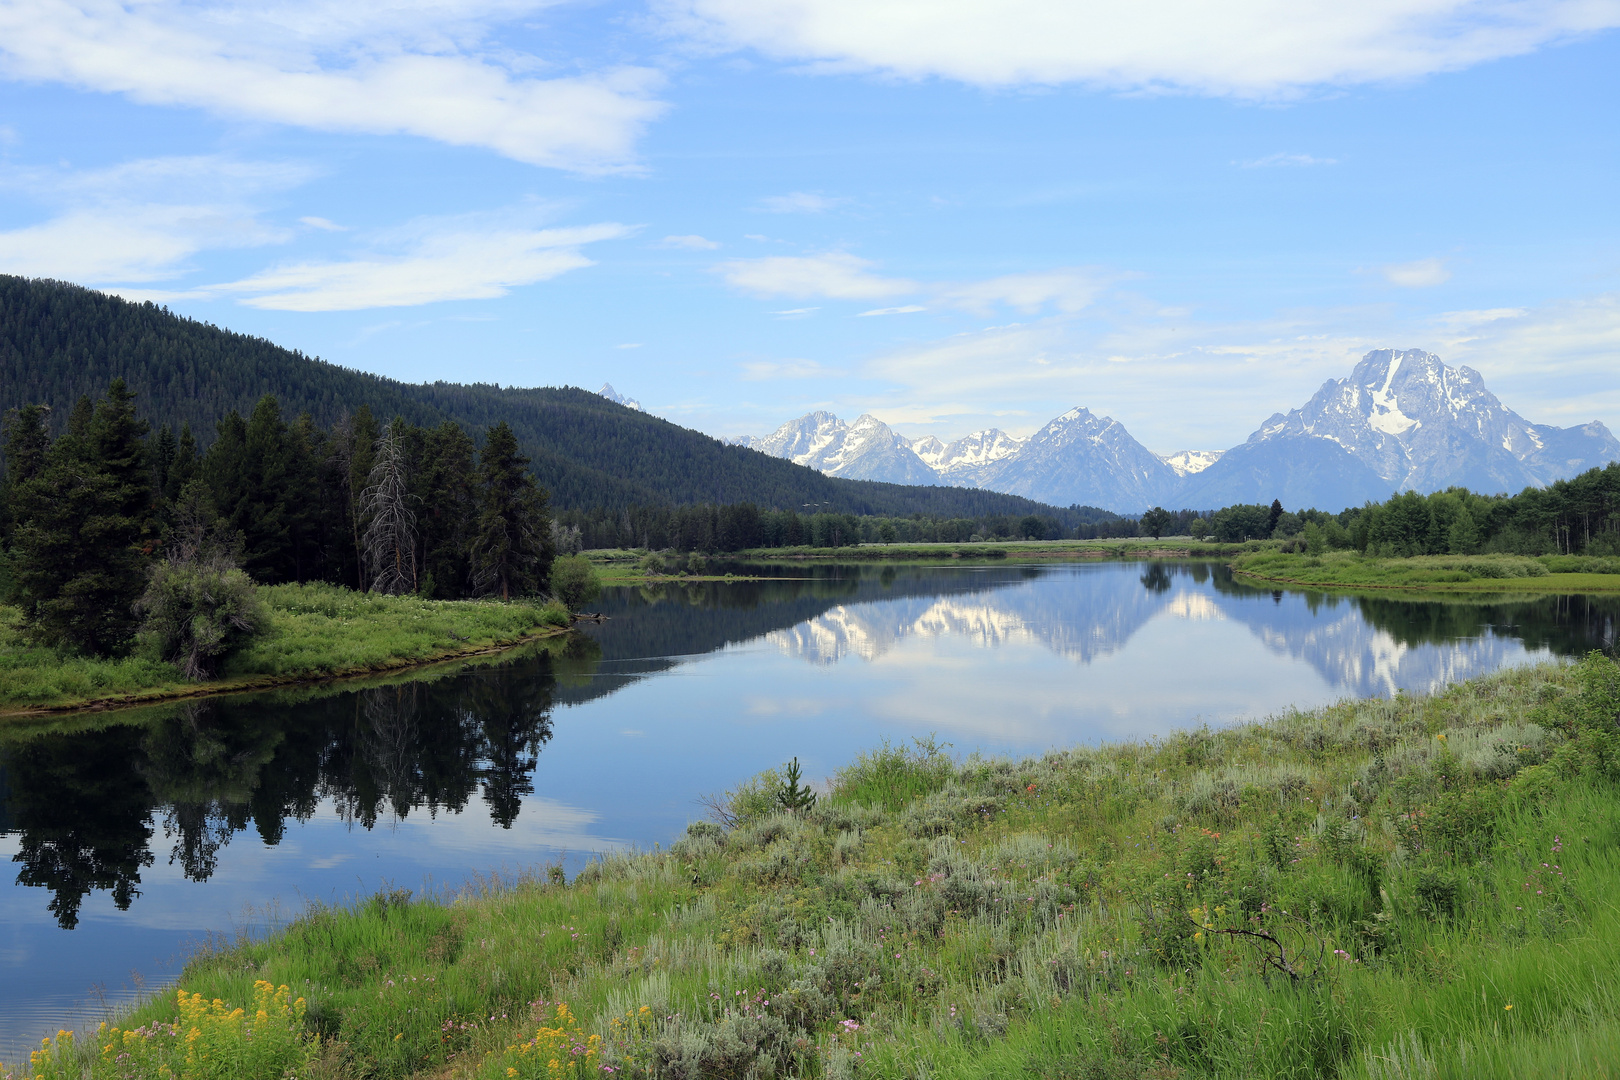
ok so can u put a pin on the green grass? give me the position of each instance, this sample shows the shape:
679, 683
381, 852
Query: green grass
1422, 864
313, 631
1178, 546
1444, 573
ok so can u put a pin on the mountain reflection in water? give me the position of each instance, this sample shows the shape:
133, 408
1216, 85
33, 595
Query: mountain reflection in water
134, 833
1361, 646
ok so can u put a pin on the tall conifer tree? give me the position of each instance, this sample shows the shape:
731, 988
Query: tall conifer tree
511, 548
77, 566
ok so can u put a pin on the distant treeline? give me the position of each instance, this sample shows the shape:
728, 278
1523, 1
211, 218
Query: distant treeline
1579, 516
717, 528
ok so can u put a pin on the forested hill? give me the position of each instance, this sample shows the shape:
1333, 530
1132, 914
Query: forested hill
61, 341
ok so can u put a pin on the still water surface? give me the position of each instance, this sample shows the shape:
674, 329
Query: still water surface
135, 837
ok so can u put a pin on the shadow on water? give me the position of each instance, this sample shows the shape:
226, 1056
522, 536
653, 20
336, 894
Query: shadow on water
86, 805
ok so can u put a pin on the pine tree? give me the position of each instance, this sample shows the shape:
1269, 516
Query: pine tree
511, 549
185, 466
77, 567
447, 482
26, 443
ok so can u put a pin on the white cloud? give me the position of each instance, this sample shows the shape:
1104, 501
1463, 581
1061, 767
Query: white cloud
836, 276
987, 362
694, 243
465, 259
799, 202
1066, 290
140, 220
406, 68
786, 369
1417, 275
324, 224
1467, 320
906, 310
1244, 48
1282, 160
1554, 364
796, 313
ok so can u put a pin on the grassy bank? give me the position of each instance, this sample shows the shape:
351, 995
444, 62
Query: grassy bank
1168, 547
1447, 573
618, 564
313, 631
1417, 887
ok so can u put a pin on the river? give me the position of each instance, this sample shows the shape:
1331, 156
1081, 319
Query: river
137, 836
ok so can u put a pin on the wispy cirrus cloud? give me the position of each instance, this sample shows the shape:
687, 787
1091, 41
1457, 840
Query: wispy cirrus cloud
1286, 161
841, 276
906, 309
1065, 290
799, 202
836, 275
143, 220
689, 242
1420, 274
473, 258
1245, 48
389, 68
757, 370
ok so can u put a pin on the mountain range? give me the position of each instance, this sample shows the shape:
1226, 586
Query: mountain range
1402, 420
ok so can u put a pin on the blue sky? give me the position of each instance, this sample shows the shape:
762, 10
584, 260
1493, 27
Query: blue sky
952, 214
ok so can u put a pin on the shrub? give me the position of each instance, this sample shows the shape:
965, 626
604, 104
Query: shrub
197, 611
574, 581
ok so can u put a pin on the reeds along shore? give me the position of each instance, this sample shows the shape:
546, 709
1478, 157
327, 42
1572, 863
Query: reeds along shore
1417, 887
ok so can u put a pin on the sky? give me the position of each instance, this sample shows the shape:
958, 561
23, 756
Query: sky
951, 214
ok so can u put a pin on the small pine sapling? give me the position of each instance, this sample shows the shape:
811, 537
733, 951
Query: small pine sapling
792, 795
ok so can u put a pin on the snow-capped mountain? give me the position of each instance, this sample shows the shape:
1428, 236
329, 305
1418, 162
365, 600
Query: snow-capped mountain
1187, 462
1402, 420
1081, 458
865, 450
959, 462
617, 398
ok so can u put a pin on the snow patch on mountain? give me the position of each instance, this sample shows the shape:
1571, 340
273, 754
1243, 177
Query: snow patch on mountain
1188, 462
956, 461
868, 449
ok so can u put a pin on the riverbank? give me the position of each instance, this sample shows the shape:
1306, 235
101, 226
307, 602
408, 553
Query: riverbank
1170, 547
1380, 888
313, 632
1435, 573
620, 566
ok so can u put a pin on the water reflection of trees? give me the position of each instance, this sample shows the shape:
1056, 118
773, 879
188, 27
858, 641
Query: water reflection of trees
1566, 625
86, 804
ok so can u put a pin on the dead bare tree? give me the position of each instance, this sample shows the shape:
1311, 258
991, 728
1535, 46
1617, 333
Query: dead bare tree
390, 540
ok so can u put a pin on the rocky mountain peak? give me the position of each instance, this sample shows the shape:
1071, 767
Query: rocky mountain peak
617, 398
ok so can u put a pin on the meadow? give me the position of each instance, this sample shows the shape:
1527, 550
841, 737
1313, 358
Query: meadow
312, 631
1416, 887
1446, 573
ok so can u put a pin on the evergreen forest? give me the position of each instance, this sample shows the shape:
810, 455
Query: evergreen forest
60, 342
107, 529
